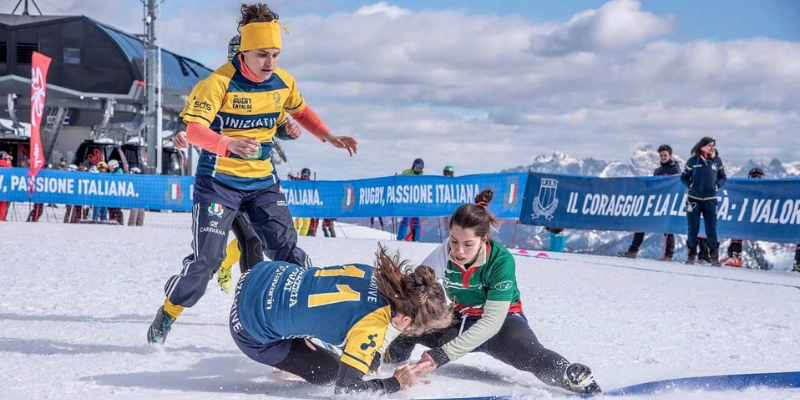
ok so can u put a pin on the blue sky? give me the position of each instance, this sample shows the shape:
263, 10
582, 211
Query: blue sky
699, 19
486, 86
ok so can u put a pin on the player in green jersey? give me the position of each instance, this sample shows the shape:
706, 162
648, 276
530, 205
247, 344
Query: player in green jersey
479, 277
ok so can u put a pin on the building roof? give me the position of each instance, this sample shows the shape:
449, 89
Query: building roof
178, 72
17, 20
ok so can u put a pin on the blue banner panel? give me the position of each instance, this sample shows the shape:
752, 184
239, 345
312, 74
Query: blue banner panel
403, 196
399, 196
96, 189
757, 209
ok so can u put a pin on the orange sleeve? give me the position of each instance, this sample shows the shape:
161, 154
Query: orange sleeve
208, 140
308, 118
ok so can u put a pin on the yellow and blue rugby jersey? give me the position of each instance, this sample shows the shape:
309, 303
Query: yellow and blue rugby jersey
234, 106
339, 305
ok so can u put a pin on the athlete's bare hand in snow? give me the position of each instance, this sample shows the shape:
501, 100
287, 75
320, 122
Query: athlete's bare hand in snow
425, 364
407, 375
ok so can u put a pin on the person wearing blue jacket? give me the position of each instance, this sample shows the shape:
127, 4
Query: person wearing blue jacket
703, 174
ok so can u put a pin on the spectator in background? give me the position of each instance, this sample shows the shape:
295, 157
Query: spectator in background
136, 217
704, 175
558, 242
312, 227
327, 227
734, 258
115, 213
24, 162
5, 162
449, 172
8, 158
313, 223
70, 209
372, 222
796, 267
703, 254
100, 213
410, 229
38, 208
302, 224
62, 166
668, 167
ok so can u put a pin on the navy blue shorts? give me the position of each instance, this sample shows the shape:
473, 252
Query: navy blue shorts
265, 353
208, 190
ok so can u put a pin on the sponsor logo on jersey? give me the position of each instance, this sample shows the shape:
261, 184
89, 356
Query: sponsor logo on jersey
232, 121
201, 105
371, 343
504, 285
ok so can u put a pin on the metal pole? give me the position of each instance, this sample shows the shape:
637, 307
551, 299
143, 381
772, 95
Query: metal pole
151, 91
514, 240
159, 99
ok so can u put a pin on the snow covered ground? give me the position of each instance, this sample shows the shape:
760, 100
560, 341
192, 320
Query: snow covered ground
77, 300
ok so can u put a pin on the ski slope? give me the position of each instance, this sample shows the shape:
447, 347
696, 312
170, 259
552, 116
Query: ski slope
77, 300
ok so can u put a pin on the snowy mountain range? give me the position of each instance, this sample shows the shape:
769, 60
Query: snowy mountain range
643, 162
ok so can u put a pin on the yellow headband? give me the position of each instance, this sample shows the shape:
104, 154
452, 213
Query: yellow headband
262, 35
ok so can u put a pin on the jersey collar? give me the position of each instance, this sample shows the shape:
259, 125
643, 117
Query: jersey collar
483, 255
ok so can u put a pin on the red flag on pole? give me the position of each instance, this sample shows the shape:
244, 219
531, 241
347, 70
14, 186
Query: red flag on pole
39, 67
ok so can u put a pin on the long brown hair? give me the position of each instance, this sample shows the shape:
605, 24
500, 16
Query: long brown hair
413, 293
258, 12
476, 216
699, 145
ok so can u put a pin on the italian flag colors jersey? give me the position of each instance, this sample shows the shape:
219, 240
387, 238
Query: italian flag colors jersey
491, 277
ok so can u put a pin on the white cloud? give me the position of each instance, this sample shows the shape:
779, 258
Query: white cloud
618, 24
392, 12
475, 91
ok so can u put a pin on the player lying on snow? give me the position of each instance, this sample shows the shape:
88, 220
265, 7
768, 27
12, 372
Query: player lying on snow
278, 305
479, 277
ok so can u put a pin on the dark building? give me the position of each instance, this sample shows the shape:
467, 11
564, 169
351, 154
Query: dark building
95, 85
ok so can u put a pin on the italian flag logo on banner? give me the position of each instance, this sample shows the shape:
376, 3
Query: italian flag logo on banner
512, 193
511, 198
174, 194
175, 191
349, 199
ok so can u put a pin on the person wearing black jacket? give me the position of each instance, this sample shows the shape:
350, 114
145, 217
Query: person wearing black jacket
668, 167
734, 258
703, 174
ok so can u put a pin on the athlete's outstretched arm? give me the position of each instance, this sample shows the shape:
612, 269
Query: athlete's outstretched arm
309, 119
